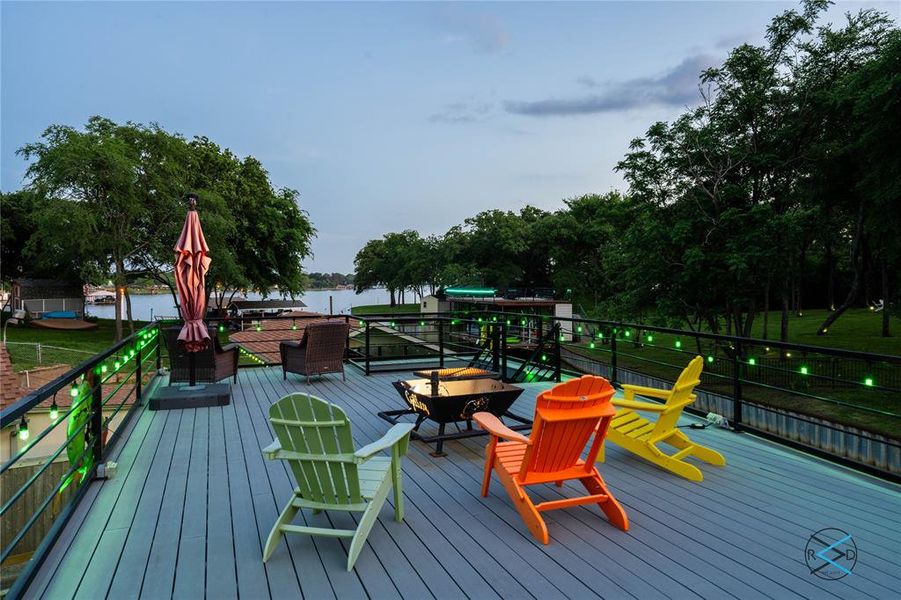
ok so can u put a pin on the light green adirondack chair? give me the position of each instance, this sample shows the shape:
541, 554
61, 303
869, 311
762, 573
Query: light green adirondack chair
314, 437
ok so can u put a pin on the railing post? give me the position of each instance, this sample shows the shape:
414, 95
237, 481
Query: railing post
504, 352
138, 376
95, 381
736, 387
159, 350
440, 343
366, 337
613, 373
495, 348
558, 332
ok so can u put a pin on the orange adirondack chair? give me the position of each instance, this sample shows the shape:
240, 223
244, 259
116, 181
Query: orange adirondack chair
566, 416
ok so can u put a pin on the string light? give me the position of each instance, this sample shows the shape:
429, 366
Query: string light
678, 343
23, 429
74, 390
710, 359
650, 338
803, 370
869, 382
54, 411
752, 361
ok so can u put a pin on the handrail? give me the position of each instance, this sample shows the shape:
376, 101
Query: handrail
87, 380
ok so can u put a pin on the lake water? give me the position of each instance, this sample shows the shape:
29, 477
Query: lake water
147, 306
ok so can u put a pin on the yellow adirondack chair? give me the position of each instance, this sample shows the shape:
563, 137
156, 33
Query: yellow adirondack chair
641, 436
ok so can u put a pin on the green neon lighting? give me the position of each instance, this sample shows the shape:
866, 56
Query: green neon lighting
470, 291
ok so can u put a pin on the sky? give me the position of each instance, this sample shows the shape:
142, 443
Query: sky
385, 116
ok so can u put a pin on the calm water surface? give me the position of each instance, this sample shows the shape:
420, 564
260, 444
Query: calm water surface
147, 306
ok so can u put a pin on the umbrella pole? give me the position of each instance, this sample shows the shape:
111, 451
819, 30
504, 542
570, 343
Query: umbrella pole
193, 368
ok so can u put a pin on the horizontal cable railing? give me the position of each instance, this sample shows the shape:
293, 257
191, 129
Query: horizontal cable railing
59, 435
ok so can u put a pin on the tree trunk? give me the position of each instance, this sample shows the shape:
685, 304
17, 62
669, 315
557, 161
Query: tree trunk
119, 281
131, 321
393, 301
885, 297
830, 278
855, 283
783, 329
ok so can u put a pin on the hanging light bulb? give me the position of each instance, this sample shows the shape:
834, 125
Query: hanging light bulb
54, 411
23, 429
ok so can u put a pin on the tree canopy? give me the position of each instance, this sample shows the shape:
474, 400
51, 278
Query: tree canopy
780, 188
108, 201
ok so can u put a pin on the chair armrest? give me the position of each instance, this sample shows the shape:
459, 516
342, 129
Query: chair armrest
394, 436
635, 405
495, 427
631, 390
271, 451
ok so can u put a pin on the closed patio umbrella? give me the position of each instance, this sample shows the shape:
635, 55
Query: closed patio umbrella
191, 264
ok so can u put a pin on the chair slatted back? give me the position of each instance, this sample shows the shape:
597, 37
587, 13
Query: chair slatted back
320, 432
682, 390
565, 418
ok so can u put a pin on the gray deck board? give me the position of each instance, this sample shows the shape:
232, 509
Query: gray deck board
194, 500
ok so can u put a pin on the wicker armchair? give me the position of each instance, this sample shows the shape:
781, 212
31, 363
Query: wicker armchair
210, 365
320, 351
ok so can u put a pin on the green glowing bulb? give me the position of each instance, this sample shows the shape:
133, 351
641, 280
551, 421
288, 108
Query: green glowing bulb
103, 369
221, 328
650, 338
523, 322
116, 365
752, 361
259, 328
422, 323
869, 382
710, 359
508, 321
544, 357
591, 345
678, 343
23, 429
54, 412
803, 370
579, 329
74, 391
628, 333
600, 335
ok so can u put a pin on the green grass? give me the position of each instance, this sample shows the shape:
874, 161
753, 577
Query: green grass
85, 343
385, 309
858, 329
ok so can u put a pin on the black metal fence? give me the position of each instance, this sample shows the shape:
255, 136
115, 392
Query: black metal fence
851, 395
59, 436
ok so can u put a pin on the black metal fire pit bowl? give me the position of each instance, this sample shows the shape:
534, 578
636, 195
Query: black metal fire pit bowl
454, 402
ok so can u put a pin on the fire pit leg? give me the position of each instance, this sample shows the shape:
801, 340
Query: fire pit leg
439, 445
419, 421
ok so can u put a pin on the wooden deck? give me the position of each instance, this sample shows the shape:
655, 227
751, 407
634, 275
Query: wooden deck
194, 500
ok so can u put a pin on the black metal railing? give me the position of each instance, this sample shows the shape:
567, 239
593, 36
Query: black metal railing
60, 435
849, 393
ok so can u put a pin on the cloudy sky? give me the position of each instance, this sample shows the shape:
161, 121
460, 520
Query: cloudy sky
384, 116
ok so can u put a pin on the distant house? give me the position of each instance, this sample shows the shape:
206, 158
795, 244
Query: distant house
41, 296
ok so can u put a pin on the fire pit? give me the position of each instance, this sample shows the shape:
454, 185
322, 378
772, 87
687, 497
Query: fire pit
453, 401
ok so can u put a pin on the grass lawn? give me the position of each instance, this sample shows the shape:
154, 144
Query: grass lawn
77, 345
385, 309
858, 329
